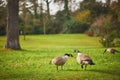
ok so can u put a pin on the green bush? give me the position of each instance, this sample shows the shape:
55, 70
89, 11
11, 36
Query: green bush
72, 26
116, 42
107, 41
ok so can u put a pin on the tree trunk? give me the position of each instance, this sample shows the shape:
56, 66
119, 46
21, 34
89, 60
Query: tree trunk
48, 10
35, 4
66, 9
12, 25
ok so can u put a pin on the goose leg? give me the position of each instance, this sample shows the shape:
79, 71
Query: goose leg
61, 67
85, 66
82, 66
57, 67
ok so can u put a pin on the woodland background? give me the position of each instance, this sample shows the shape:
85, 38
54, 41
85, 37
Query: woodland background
92, 17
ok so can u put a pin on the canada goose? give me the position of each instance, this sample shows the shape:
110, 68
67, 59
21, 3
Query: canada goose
83, 59
111, 50
61, 60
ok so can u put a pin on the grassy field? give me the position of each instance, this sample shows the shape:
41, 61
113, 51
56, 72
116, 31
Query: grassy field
32, 63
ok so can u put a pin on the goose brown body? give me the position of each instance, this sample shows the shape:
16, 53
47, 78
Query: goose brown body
83, 59
111, 50
61, 60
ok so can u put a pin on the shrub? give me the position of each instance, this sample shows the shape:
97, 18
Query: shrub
116, 42
73, 26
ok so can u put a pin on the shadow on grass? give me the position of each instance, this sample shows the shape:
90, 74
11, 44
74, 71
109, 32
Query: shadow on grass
73, 70
40, 75
112, 72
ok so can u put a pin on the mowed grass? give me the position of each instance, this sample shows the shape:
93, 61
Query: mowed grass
32, 62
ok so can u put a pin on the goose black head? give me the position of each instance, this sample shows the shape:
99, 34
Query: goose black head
76, 51
70, 55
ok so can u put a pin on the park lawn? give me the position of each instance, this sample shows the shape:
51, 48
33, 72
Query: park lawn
32, 62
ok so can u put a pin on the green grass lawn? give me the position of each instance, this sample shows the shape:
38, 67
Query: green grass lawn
32, 62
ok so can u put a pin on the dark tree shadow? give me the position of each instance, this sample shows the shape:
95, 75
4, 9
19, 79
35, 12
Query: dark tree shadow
112, 72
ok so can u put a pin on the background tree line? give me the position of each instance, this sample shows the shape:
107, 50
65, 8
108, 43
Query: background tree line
92, 17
